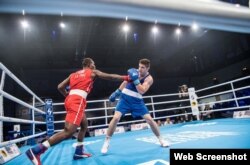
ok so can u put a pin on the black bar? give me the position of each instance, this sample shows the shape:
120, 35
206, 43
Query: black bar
198, 156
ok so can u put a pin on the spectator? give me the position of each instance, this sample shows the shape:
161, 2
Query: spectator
207, 114
168, 121
183, 91
159, 123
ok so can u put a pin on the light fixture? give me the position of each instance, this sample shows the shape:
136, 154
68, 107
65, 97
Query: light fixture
155, 30
195, 26
24, 24
178, 31
62, 25
125, 28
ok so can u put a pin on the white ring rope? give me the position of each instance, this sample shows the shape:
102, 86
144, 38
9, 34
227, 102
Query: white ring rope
226, 109
222, 84
20, 101
166, 102
220, 93
160, 110
3, 94
21, 139
223, 101
175, 101
16, 120
8, 72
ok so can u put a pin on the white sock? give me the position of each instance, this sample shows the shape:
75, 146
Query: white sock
159, 138
79, 143
46, 144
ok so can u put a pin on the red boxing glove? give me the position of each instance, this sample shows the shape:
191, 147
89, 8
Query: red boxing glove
126, 78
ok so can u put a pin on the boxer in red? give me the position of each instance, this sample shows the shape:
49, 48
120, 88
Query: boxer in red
81, 83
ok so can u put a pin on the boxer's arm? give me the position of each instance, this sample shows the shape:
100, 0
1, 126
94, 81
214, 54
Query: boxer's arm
123, 85
143, 88
107, 76
62, 86
118, 92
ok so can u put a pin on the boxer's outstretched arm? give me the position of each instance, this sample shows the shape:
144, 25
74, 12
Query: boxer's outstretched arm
107, 76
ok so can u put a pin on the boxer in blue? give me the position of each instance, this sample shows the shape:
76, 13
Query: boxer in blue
131, 101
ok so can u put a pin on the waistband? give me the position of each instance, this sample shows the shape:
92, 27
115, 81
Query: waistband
78, 92
132, 93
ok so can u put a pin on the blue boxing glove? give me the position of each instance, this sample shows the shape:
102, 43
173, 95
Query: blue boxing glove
114, 95
134, 76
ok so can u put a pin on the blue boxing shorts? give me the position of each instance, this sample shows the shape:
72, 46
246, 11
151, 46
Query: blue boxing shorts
133, 105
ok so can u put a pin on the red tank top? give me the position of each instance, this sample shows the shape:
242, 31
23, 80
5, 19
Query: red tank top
81, 80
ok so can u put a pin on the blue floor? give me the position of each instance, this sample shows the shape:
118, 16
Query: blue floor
140, 147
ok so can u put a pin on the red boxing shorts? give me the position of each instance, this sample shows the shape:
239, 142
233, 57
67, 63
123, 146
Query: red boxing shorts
75, 106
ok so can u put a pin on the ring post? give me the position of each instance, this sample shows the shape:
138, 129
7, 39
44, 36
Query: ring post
49, 117
194, 102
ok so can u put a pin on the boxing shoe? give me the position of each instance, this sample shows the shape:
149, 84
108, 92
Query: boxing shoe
34, 154
164, 143
79, 153
105, 146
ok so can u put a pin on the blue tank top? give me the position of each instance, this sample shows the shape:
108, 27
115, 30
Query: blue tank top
131, 85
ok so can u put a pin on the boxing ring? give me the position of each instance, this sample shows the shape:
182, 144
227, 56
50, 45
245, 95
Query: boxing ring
226, 127
133, 143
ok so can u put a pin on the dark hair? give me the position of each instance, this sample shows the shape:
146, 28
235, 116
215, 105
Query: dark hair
145, 62
86, 62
